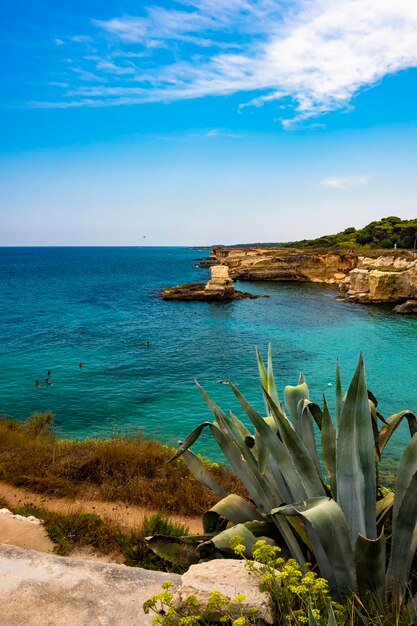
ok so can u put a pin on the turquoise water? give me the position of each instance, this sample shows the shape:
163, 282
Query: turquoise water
60, 306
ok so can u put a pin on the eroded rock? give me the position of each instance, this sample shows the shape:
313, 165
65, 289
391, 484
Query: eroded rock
230, 577
410, 306
219, 287
39, 589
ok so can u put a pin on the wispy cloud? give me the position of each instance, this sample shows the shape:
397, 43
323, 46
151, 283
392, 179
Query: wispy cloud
345, 182
318, 54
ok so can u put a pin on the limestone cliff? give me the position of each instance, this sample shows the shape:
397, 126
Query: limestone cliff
285, 264
383, 277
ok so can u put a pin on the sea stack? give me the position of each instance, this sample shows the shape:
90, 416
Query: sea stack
219, 287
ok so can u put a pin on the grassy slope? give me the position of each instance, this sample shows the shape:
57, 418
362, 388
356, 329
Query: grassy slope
132, 469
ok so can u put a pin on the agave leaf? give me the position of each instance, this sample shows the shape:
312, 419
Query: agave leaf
176, 550
404, 518
243, 461
239, 425
392, 424
328, 445
355, 460
232, 508
252, 479
262, 529
311, 619
339, 396
190, 440
222, 540
307, 431
202, 474
316, 413
370, 558
329, 535
375, 430
384, 505
332, 619
261, 448
292, 396
267, 378
305, 468
276, 449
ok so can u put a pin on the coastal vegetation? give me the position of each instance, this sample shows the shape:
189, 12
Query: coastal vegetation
329, 513
389, 232
131, 469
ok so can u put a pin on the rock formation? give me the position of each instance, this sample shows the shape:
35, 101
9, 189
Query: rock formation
384, 279
378, 278
285, 264
219, 287
409, 306
38, 589
230, 577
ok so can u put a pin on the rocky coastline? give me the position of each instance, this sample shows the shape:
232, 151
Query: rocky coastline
383, 276
219, 287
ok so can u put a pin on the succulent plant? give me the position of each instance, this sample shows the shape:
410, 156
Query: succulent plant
321, 503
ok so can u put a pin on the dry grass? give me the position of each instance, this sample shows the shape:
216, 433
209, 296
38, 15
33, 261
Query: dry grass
128, 469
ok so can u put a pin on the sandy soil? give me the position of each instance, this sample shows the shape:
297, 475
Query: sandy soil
126, 516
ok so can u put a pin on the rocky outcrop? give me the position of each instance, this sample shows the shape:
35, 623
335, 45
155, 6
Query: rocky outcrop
230, 577
38, 589
285, 264
410, 306
377, 278
383, 279
219, 287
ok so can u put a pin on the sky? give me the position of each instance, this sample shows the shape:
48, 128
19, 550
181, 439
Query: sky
201, 122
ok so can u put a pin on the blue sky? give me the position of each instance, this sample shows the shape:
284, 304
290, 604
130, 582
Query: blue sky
204, 121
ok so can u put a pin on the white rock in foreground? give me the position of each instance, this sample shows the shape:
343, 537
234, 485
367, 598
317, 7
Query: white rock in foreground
230, 577
38, 589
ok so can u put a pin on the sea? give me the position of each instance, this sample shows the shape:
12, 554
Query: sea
141, 356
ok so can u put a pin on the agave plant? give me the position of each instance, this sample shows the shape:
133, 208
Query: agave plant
325, 508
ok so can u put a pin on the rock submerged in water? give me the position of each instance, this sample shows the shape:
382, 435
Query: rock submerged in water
219, 287
406, 307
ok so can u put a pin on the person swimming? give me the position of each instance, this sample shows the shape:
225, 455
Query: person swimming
80, 364
49, 373
37, 383
223, 382
47, 381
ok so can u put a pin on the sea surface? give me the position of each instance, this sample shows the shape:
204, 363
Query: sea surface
100, 306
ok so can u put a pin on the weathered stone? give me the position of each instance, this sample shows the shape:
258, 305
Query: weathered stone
38, 589
24, 532
219, 287
375, 285
410, 306
230, 577
381, 278
285, 264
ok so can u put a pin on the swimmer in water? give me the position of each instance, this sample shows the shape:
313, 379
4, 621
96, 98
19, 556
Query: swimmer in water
49, 373
223, 382
80, 365
47, 381
37, 383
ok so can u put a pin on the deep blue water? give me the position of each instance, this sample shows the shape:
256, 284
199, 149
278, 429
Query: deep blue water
60, 306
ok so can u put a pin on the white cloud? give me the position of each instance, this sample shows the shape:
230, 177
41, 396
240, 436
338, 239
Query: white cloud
344, 183
318, 54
